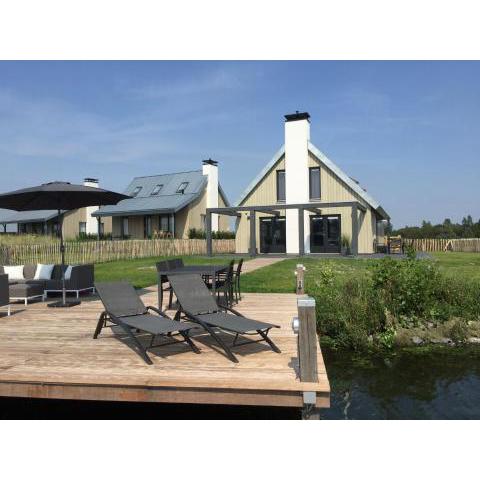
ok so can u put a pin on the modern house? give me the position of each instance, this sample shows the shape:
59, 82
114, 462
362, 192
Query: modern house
302, 202
45, 222
168, 205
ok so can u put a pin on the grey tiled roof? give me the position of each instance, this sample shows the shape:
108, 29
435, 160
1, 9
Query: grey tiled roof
11, 216
167, 201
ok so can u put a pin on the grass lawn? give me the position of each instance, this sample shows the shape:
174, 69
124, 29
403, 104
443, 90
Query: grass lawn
279, 277
459, 264
141, 272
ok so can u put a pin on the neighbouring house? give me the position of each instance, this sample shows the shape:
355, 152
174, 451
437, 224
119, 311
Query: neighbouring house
45, 222
302, 202
168, 205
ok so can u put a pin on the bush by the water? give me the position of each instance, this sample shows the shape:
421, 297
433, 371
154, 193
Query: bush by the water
395, 294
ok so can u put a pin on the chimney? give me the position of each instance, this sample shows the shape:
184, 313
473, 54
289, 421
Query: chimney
210, 170
91, 222
297, 136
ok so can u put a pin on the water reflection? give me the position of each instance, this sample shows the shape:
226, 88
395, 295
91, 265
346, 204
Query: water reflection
442, 384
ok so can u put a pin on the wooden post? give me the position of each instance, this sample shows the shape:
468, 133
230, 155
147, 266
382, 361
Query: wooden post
354, 230
253, 234
307, 353
300, 274
208, 225
301, 233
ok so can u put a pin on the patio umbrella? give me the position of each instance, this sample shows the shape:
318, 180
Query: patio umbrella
60, 196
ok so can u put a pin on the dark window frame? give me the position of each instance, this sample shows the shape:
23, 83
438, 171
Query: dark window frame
316, 197
283, 200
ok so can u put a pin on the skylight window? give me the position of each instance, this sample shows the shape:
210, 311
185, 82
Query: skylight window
183, 186
157, 189
136, 191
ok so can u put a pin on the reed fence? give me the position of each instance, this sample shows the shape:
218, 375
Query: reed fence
444, 244
107, 250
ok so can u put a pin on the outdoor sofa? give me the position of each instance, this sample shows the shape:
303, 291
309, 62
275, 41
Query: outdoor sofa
80, 278
4, 294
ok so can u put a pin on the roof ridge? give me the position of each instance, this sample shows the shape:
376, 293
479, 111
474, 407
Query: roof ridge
172, 173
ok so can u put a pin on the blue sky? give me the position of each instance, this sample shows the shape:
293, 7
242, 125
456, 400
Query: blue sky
408, 131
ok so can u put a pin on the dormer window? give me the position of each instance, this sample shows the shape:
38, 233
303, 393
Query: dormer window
183, 186
136, 191
156, 190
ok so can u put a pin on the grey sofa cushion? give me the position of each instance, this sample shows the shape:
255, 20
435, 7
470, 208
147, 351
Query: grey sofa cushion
29, 271
23, 290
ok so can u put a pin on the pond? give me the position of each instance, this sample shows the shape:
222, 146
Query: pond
425, 384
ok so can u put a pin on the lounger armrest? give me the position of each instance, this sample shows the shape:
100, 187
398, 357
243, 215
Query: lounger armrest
156, 310
235, 312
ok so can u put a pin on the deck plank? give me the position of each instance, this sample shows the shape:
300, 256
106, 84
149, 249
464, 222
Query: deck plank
50, 353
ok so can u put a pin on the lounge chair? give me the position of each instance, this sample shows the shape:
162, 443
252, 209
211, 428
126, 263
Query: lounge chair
124, 307
199, 306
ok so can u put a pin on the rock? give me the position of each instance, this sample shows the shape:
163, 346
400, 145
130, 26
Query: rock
417, 340
473, 340
444, 340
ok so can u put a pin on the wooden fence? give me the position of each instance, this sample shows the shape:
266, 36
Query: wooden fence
103, 251
444, 244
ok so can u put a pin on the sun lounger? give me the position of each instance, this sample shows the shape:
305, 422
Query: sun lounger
124, 308
199, 306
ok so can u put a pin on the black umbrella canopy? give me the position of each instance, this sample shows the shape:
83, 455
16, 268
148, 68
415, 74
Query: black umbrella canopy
58, 196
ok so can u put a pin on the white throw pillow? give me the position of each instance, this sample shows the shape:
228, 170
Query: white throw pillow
43, 272
68, 272
14, 272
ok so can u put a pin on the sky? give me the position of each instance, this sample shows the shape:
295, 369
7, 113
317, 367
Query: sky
408, 131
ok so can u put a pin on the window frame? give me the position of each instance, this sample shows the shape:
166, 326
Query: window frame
278, 172
80, 224
310, 196
155, 192
182, 190
136, 191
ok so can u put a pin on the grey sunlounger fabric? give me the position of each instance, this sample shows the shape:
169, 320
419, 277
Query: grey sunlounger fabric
199, 306
124, 307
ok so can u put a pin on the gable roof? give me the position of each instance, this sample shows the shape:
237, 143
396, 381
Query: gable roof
167, 200
367, 198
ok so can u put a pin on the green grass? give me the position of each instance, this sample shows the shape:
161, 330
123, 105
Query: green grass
141, 272
280, 277
458, 264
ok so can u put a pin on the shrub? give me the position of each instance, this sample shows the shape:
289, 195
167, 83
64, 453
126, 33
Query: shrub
197, 233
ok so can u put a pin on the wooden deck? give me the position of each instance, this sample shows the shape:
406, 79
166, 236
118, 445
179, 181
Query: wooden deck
50, 353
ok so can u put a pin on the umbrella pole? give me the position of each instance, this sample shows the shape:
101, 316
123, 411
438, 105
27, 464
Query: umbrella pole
62, 251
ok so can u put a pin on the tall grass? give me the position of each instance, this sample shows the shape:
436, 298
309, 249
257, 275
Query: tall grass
27, 239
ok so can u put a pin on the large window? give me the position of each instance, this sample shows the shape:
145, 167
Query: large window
280, 185
165, 224
125, 227
147, 226
314, 182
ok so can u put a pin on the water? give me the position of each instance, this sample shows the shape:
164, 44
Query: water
443, 384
